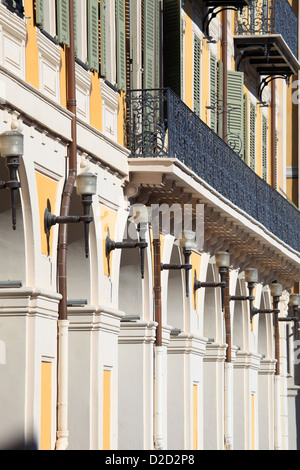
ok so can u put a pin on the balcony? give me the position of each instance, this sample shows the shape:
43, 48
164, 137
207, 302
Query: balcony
160, 125
224, 3
266, 33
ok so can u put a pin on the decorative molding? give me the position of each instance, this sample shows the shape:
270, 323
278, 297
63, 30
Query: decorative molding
49, 66
12, 42
110, 104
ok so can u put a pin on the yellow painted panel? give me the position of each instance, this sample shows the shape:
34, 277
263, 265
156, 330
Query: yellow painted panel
47, 189
258, 143
46, 373
189, 55
108, 221
106, 409
63, 78
195, 417
31, 50
121, 119
96, 103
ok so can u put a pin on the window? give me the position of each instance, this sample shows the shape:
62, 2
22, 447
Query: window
15, 5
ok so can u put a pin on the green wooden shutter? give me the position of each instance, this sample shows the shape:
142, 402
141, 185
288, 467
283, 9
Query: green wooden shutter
76, 28
245, 157
103, 37
39, 13
220, 98
235, 111
93, 35
63, 25
172, 30
264, 149
121, 44
252, 129
151, 43
276, 159
213, 92
197, 75
157, 43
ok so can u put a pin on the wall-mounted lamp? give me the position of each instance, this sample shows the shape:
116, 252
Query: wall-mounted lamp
187, 243
294, 305
12, 148
110, 245
86, 187
251, 277
222, 262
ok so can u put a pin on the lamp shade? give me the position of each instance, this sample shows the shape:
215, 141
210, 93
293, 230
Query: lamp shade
86, 184
187, 239
251, 275
11, 144
295, 300
276, 289
222, 259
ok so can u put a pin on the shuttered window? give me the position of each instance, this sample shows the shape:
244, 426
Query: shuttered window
197, 75
15, 5
235, 108
252, 139
93, 35
172, 31
264, 149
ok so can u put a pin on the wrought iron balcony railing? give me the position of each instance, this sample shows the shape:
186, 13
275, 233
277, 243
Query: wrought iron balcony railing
270, 17
161, 125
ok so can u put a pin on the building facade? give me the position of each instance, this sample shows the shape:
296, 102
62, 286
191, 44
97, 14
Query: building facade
133, 329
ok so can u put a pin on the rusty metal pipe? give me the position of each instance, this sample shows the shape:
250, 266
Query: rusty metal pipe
70, 183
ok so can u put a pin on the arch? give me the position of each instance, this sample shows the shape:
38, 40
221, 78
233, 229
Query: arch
12, 246
78, 266
211, 317
175, 304
130, 281
238, 318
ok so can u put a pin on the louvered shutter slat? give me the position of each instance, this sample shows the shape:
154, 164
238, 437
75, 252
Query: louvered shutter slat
252, 136
213, 93
264, 148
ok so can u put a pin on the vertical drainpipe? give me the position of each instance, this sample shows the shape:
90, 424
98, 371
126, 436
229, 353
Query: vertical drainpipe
228, 371
63, 324
228, 399
158, 425
225, 68
277, 384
